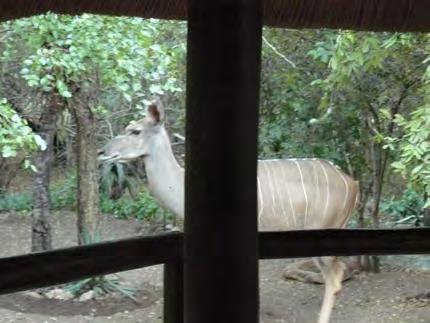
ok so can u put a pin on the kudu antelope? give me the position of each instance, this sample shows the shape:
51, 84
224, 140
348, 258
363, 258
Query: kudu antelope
293, 194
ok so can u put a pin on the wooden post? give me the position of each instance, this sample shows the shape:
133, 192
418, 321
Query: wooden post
223, 69
173, 292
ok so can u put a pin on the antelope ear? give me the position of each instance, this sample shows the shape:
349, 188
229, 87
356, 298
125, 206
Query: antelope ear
155, 111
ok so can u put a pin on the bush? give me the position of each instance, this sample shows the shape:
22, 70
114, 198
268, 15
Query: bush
101, 285
143, 207
63, 193
16, 202
406, 210
63, 196
114, 181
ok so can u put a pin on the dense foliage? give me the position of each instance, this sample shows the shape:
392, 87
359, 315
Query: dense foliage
63, 197
359, 99
15, 134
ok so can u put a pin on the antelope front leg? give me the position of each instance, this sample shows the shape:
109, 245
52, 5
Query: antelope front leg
333, 270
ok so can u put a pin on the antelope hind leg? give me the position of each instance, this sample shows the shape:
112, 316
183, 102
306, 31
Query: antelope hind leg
308, 271
305, 271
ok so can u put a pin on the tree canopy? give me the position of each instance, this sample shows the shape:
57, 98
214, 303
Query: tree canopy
359, 99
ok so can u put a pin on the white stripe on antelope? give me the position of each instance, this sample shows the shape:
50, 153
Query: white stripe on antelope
293, 194
297, 194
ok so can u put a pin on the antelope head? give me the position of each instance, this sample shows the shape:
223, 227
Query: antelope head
139, 138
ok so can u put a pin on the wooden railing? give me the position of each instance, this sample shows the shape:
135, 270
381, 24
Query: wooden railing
36, 270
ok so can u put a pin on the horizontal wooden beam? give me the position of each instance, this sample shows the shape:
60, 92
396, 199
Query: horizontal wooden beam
64, 265
339, 242
377, 15
69, 264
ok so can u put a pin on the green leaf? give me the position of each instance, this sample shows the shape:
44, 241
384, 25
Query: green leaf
8, 151
66, 94
40, 142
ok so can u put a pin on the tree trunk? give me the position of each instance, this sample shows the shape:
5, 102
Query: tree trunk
70, 154
87, 173
41, 238
426, 212
376, 192
363, 261
426, 218
380, 160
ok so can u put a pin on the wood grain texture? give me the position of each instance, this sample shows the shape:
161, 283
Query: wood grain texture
220, 239
377, 15
64, 265
173, 288
339, 242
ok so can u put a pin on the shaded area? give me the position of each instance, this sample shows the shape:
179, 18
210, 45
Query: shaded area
397, 294
22, 302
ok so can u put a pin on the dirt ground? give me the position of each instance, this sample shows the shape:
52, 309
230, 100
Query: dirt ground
398, 294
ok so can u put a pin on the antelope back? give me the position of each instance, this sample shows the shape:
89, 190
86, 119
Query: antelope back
296, 194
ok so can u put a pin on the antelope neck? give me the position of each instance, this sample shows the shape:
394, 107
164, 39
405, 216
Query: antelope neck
165, 175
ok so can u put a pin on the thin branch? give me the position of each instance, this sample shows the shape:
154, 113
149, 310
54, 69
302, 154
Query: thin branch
277, 52
369, 105
372, 129
178, 136
110, 128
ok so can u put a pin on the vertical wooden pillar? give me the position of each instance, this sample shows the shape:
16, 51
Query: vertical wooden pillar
221, 265
173, 307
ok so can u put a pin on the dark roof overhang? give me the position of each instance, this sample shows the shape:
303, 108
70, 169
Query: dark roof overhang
377, 15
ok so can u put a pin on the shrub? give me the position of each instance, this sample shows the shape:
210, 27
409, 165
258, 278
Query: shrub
143, 207
63, 196
63, 193
406, 210
16, 202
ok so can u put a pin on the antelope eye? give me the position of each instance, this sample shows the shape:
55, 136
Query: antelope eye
135, 132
